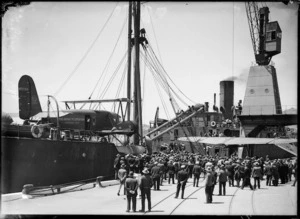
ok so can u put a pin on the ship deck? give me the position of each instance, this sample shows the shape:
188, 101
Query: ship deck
90, 200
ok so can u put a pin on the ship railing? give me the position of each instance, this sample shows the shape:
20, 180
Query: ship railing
76, 134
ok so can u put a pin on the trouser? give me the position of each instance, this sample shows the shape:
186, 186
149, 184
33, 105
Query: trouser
282, 179
213, 188
171, 176
275, 182
238, 182
122, 184
208, 193
182, 186
257, 179
290, 176
246, 182
269, 177
230, 179
156, 183
161, 178
196, 179
222, 185
146, 192
116, 173
131, 198
296, 179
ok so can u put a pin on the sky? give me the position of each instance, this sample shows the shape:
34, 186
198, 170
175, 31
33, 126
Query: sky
198, 43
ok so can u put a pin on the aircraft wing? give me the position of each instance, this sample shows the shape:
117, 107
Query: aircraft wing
237, 140
44, 114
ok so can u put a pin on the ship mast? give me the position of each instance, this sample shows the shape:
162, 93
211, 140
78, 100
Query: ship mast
137, 78
129, 62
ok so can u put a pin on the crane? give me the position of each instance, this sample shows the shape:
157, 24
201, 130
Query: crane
265, 35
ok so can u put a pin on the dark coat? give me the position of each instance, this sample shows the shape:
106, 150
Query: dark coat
171, 168
182, 176
155, 172
146, 182
131, 184
196, 169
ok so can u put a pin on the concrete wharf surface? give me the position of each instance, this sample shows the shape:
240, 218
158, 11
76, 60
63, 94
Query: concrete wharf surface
89, 200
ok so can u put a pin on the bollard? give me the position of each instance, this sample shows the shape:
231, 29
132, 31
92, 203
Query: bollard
98, 181
26, 190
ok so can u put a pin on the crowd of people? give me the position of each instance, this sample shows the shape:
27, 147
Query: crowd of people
138, 174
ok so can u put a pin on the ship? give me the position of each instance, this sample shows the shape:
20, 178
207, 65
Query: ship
63, 147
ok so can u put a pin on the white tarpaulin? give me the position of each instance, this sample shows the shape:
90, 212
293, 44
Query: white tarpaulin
237, 140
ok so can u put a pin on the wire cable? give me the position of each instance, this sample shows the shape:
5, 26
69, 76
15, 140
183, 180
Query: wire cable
86, 53
108, 62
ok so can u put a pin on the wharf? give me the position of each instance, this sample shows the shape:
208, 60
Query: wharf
89, 200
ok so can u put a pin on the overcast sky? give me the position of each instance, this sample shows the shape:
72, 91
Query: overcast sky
198, 43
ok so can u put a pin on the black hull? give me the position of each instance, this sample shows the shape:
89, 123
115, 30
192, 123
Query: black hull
44, 162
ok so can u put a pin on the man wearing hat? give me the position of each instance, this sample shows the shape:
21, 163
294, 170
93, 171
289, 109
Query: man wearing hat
247, 176
155, 174
117, 165
145, 186
209, 182
171, 172
268, 172
122, 174
131, 186
181, 181
256, 174
196, 171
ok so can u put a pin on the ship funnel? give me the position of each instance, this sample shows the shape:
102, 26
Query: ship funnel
226, 98
215, 108
206, 107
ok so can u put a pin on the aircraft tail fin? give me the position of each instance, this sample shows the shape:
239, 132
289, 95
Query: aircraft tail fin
29, 104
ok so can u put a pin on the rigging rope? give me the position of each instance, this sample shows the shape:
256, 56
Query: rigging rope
159, 92
233, 41
167, 74
87, 52
163, 78
108, 62
112, 77
121, 84
154, 35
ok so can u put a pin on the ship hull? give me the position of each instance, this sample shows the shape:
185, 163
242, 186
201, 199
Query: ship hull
44, 162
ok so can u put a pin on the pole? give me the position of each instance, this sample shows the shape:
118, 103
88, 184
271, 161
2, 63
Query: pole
129, 61
137, 80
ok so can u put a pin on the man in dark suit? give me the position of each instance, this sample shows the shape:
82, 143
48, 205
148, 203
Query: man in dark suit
145, 186
131, 186
155, 174
171, 171
196, 171
181, 181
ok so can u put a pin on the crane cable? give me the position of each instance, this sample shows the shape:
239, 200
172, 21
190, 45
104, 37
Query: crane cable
87, 52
